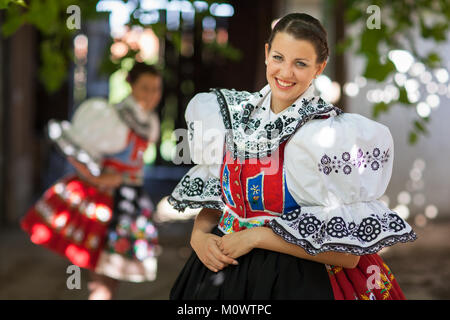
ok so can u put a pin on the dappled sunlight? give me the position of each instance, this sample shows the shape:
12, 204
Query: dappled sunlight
326, 137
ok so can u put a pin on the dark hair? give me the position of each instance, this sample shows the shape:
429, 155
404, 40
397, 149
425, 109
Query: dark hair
305, 27
140, 68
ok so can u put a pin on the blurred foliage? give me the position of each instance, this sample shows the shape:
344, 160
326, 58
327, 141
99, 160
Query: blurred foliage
161, 30
50, 18
401, 22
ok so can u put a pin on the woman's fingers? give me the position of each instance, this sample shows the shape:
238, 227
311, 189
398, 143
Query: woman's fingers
213, 261
222, 254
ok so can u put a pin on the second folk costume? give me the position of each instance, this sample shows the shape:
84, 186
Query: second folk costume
312, 174
107, 231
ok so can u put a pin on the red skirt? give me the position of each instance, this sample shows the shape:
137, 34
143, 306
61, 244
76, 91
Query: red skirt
71, 219
370, 280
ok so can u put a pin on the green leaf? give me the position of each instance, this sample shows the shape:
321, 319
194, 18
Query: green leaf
412, 138
45, 16
343, 45
379, 108
14, 19
419, 126
377, 70
5, 3
403, 96
432, 60
53, 70
352, 14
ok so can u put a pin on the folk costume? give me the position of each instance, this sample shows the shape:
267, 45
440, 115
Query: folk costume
312, 174
107, 231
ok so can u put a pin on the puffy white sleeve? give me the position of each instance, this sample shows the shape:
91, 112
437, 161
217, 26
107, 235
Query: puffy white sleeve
200, 187
94, 131
336, 170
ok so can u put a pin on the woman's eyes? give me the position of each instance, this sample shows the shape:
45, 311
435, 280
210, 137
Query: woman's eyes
298, 63
279, 58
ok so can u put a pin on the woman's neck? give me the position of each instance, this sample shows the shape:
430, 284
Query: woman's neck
278, 106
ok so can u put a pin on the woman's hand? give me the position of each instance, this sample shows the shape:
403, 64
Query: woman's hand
237, 244
206, 247
106, 180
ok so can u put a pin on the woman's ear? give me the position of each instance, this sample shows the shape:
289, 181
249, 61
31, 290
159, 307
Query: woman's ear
320, 68
266, 50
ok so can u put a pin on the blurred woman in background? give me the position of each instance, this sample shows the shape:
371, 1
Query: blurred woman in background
100, 217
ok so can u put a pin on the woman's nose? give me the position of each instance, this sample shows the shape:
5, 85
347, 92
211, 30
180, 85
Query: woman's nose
286, 72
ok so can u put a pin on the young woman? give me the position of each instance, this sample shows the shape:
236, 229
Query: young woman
290, 207
100, 217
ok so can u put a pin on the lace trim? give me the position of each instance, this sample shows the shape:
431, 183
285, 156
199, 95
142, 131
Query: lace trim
341, 247
181, 205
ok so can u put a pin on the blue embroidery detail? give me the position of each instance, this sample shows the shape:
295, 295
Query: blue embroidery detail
255, 192
289, 202
226, 185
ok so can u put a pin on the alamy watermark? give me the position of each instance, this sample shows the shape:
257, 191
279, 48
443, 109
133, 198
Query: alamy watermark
206, 146
74, 20
374, 280
374, 20
74, 280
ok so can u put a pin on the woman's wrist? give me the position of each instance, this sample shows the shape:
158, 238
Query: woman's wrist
257, 235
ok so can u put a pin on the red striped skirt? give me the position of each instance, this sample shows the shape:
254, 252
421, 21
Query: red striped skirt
370, 280
72, 219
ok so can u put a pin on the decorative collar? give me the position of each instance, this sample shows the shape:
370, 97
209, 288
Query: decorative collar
253, 131
134, 116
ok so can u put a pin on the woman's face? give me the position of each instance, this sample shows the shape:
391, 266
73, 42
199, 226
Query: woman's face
147, 90
291, 67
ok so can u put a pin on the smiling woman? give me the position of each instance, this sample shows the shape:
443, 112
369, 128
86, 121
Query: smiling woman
296, 53
311, 226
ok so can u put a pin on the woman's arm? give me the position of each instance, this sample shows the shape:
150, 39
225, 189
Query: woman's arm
239, 243
205, 244
108, 180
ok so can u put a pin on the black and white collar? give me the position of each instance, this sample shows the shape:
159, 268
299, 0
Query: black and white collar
252, 132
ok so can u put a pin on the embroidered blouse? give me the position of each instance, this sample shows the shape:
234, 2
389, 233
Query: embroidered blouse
107, 137
311, 172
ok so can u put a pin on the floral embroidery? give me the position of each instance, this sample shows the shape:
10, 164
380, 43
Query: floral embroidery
337, 228
255, 189
251, 136
347, 164
192, 187
309, 225
291, 215
365, 237
197, 193
367, 231
230, 222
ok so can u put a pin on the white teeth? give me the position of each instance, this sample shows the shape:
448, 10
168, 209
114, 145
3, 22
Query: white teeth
285, 84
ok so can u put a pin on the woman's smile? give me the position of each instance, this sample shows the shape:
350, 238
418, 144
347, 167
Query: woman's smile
283, 84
